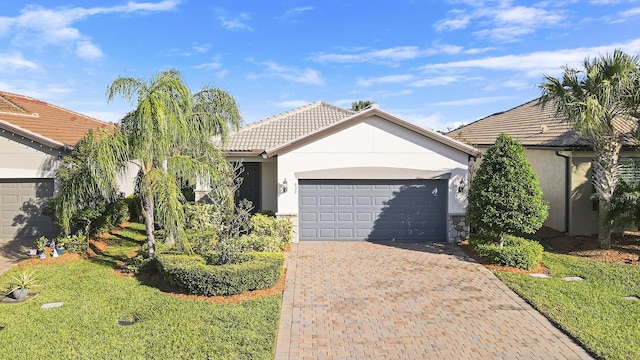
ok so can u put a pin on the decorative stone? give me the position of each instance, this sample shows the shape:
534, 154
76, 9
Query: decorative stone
540, 276
52, 305
572, 278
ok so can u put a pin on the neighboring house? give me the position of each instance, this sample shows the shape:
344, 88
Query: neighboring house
34, 136
341, 175
560, 157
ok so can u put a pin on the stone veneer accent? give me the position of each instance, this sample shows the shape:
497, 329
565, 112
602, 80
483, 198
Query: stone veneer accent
457, 227
294, 220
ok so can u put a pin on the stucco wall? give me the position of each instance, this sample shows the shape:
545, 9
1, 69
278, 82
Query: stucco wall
269, 185
372, 143
584, 219
551, 172
22, 158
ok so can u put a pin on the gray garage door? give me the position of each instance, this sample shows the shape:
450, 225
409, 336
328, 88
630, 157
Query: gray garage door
375, 210
20, 203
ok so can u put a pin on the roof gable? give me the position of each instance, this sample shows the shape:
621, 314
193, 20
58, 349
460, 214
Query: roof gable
311, 122
42, 122
533, 126
281, 129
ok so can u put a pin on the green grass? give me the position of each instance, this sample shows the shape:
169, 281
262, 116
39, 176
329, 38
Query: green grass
95, 299
592, 311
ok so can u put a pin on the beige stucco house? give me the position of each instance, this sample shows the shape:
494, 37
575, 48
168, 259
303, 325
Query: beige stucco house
560, 157
341, 175
34, 136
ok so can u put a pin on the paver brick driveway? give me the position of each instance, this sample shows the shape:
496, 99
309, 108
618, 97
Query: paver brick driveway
361, 300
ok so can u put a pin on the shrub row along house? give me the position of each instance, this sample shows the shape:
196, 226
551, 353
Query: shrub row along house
335, 173
560, 157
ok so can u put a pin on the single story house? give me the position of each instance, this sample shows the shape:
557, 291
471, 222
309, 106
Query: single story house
344, 175
34, 136
560, 157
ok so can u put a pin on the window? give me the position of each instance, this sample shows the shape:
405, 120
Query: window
629, 170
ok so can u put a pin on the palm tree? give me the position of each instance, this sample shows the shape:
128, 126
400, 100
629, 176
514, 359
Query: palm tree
360, 105
169, 136
590, 99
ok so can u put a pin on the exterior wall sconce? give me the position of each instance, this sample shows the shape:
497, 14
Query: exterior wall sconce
285, 186
461, 185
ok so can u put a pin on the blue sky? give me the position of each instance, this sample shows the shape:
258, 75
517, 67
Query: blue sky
435, 63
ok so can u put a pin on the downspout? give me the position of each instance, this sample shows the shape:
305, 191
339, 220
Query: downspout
567, 200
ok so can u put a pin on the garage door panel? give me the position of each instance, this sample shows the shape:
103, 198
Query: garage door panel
376, 209
343, 216
21, 201
327, 216
326, 200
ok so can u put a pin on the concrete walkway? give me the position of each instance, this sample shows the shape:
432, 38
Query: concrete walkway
360, 300
11, 252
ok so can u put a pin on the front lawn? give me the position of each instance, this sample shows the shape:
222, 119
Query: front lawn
593, 311
96, 299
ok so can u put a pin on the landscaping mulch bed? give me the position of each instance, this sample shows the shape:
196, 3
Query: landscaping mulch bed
625, 249
99, 245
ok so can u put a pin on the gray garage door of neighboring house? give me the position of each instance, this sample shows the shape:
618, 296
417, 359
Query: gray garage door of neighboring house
374, 210
20, 203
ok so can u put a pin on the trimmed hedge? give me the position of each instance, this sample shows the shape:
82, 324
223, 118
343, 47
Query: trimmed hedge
192, 274
517, 252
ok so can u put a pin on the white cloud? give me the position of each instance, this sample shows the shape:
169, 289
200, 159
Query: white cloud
203, 48
436, 81
40, 25
534, 64
291, 13
500, 21
88, 50
433, 121
15, 61
36, 90
630, 13
392, 55
233, 22
209, 66
305, 76
472, 101
292, 104
389, 79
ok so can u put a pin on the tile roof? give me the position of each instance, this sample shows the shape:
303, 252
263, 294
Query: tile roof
41, 121
282, 129
533, 126
291, 129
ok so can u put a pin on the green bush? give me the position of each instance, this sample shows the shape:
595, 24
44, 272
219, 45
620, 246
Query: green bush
77, 243
226, 252
263, 243
140, 264
505, 196
517, 252
135, 208
192, 274
266, 226
202, 216
202, 241
114, 214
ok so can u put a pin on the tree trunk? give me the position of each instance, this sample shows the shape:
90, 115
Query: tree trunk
149, 221
604, 228
605, 178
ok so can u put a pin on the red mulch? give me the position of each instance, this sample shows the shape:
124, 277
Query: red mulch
625, 249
